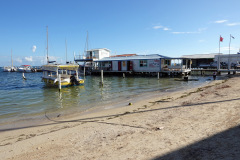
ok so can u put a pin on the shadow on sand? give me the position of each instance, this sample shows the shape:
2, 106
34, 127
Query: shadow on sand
224, 145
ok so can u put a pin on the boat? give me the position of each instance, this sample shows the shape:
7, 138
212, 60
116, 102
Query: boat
60, 74
6, 69
10, 68
64, 75
25, 68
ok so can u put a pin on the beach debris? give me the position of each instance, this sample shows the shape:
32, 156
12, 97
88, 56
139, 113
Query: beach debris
158, 128
130, 104
59, 115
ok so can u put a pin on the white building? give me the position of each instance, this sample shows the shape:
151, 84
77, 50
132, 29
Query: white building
97, 54
141, 63
229, 61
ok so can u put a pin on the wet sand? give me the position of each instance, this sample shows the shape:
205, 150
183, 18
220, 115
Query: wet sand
200, 123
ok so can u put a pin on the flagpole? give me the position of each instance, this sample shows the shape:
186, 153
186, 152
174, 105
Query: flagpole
219, 43
219, 54
229, 53
230, 43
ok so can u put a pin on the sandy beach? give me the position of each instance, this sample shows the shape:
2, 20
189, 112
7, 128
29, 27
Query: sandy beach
200, 123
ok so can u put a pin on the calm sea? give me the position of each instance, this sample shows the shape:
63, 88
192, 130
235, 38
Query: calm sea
23, 99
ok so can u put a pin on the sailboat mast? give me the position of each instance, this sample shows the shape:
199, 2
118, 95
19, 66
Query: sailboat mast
11, 59
86, 44
87, 40
66, 49
47, 46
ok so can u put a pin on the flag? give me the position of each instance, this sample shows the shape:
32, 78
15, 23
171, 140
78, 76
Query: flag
232, 37
221, 38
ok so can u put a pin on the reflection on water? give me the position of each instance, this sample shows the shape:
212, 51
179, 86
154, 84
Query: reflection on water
22, 98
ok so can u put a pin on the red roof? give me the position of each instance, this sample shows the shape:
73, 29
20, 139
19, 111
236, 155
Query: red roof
124, 55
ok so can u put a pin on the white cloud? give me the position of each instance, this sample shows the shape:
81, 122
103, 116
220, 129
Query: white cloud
18, 60
233, 24
34, 47
221, 21
157, 27
185, 32
227, 49
200, 30
28, 59
35, 60
161, 27
228, 24
166, 29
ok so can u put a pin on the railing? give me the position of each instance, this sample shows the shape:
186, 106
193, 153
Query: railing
84, 57
103, 68
174, 68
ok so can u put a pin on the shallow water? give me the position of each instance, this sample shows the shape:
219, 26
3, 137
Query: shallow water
21, 99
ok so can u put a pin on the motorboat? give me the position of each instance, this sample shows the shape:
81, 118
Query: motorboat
25, 68
9, 69
61, 75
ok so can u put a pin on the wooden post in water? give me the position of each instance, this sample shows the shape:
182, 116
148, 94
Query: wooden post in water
59, 82
158, 75
123, 75
101, 83
23, 76
84, 71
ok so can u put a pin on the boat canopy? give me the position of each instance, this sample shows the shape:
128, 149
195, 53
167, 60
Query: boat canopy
54, 68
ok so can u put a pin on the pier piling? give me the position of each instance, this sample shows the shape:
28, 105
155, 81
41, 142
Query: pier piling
59, 82
101, 83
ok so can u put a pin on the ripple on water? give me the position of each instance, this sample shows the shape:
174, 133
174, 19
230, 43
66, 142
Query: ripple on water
22, 98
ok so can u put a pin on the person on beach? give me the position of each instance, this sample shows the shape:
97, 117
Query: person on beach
214, 75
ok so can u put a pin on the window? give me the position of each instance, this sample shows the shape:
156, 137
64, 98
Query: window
167, 62
143, 63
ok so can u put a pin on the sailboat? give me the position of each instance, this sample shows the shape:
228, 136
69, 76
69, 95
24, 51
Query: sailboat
10, 68
60, 75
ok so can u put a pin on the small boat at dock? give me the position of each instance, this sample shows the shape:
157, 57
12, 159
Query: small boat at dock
10, 68
60, 74
26, 69
64, 75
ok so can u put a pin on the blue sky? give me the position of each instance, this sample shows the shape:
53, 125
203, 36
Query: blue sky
167, 27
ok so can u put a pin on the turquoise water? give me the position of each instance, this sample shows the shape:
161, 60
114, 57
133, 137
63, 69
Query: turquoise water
21, 99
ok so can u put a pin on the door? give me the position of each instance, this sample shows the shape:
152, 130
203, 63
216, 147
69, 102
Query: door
129, 66
119, 66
